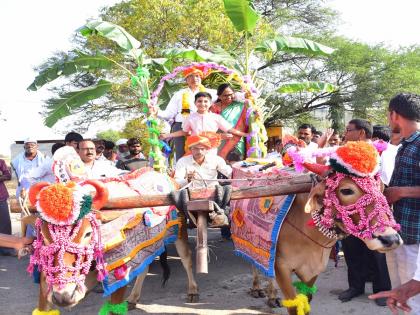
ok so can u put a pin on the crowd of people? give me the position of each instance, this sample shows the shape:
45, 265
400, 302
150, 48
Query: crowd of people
209, 129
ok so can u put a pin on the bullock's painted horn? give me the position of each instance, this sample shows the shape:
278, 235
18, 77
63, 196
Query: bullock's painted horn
102, 193
316, 168
34, 191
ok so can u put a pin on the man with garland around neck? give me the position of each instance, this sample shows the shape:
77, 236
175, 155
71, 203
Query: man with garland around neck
404, 194
363, 264
182, 104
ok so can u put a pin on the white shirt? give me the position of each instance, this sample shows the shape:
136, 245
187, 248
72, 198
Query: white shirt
388, 163
102, 169
22, 165
174, 108
417, 273
42, 173
207, 170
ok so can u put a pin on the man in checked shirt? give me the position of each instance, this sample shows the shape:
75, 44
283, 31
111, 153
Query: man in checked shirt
404, 191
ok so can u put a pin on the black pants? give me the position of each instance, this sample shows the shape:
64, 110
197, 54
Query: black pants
5, 223
179, 142
364, 264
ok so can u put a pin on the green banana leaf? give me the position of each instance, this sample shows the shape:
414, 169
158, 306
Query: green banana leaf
189, 54
113, 32
293, 45
61, 107
242, 14
219, 55
81, 62
310, 86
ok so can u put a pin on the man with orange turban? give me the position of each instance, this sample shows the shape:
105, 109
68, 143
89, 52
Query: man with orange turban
182, 104
198, 166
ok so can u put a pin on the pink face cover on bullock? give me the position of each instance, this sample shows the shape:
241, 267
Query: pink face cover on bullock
64, 207
364, 229
360, 162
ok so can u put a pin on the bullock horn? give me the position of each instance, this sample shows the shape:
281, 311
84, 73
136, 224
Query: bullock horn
316, 168
34, 191
102, 193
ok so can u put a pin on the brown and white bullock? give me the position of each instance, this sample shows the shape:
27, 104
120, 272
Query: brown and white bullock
68, 293
303, 249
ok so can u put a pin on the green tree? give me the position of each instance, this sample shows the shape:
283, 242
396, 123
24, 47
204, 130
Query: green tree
366, 77
110, 135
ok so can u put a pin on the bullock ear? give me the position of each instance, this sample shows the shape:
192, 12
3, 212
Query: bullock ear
315, 199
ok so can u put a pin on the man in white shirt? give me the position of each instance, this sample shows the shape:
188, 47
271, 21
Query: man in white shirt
95, 169
182, 104
305, 133
44, 172
25, 161
198, 166
387, 156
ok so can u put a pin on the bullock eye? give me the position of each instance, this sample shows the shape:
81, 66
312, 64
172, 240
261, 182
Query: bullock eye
88, 234
346, 191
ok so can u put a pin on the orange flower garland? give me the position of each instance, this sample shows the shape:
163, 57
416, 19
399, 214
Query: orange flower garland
359, 157
57, 202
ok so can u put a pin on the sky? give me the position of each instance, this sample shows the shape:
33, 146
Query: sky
33, 30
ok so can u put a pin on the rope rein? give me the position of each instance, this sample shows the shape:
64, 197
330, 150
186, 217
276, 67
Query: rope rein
307, 236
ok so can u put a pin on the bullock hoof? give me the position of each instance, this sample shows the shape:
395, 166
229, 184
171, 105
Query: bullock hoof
257, 293
131, 306
273, 303
193, 298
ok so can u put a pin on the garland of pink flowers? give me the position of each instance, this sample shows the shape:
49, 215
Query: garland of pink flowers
363, 229
45, 256
255, 142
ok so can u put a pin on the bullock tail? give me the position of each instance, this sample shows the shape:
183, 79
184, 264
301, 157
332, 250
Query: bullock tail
163, 259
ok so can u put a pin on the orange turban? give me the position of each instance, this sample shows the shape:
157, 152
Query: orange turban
194, 70
194, 140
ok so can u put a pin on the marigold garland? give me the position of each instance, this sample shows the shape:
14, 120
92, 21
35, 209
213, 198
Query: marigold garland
185, 111
300, 302
56, 202
52, 312
358, 157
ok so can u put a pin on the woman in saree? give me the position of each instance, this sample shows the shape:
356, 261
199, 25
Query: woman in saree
235, 113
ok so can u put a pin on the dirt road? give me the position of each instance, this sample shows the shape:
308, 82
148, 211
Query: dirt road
223, 291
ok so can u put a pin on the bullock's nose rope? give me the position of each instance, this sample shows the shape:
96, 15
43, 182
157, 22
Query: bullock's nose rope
308, 237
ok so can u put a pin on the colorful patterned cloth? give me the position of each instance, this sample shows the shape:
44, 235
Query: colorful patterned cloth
130, 245
256, 223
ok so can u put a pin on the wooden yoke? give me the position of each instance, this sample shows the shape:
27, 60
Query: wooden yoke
201, 208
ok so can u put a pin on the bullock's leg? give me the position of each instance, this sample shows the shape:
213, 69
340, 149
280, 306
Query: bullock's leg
284, 281
116, 305
273, 300
309, 283
43, 304
136, 291
256, 290
185, 253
